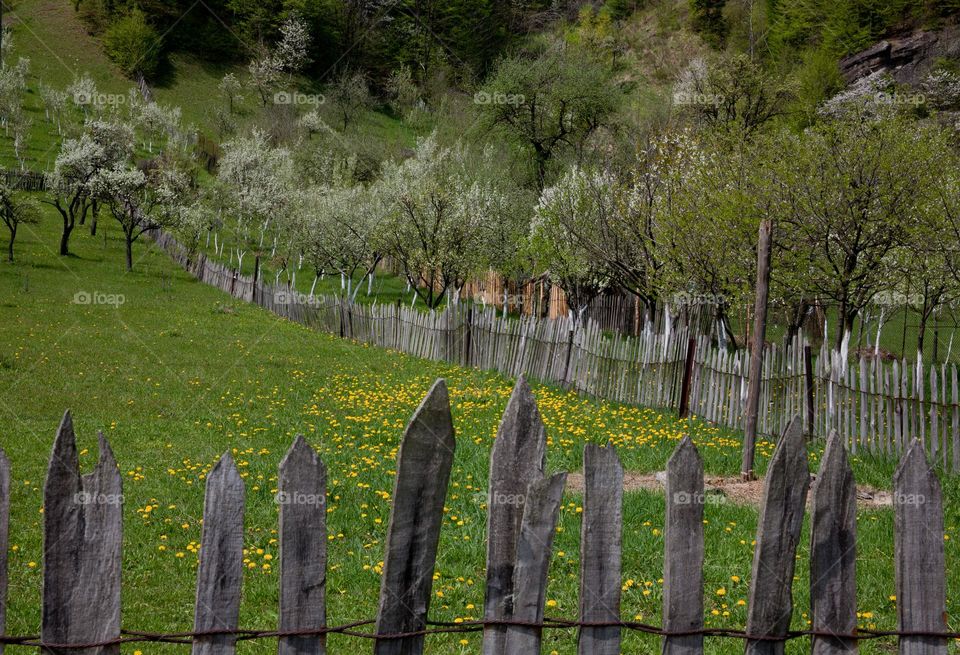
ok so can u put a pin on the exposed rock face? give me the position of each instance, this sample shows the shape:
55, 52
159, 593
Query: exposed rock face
907, 59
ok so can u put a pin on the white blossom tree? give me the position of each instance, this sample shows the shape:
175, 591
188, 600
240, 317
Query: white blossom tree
256, 181
16, 210
340, 232
577, 203
140, 202
437, 212
102, 145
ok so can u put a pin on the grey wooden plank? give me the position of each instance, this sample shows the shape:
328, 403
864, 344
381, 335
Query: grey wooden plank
82, 526
517, 460
833, 552
918, 553
778, 533
4, 539
600, 549
534, 547
423, 472
683, 551
221, 560
301, 494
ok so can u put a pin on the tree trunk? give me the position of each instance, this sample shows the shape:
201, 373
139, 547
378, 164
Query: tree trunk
841, 326
65, 238
129, 241
13, 235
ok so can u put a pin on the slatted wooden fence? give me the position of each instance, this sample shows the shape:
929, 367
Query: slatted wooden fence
23, 180
83, 542
872, 403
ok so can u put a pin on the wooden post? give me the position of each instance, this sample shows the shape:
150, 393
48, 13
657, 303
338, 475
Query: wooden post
221, 560
81, 548
468, 360
756, 352
301, 494
600, 546
833, 552
778, 533
687, 378
517, 460
423, 472
4, 537
683, 552
808, 377
534, 547
918, 554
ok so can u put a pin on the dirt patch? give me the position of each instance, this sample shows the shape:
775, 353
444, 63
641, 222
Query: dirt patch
735, 490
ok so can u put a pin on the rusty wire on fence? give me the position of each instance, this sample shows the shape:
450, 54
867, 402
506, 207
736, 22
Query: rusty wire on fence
442, 627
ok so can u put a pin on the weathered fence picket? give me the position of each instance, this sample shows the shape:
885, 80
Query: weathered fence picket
778, 533
221, 560
600, 550
833, 552
918, 553
683, 552
4, 538
301, 494
81, 548
423, 472
517, 461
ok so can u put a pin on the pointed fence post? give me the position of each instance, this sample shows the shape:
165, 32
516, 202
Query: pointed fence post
778, 533
4, 539
833, 552
423, 472
301, 494
683, 551
600, 549
221, 560
82, 532
517, 460
918, 554
537, 529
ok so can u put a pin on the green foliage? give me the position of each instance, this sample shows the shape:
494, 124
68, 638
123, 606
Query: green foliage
134, 45
547, 103
708, 20
817, 79
840, 26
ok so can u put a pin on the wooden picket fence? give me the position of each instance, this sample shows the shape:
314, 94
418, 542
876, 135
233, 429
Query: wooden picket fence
83, 543
875, 405
23, 180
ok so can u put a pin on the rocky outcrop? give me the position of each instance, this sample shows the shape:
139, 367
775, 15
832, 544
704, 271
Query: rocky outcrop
908, 59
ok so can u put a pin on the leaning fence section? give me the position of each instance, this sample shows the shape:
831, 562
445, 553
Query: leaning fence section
82, 569
873, 403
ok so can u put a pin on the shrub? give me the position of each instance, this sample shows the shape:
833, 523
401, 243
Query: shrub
134, 45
